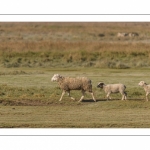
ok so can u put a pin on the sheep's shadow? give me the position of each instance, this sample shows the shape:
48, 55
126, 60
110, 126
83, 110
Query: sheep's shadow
91, 100
100, 100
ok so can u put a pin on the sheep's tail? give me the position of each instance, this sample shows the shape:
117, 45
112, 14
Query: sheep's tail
124, 91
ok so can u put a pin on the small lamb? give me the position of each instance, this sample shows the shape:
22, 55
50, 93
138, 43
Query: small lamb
113, 88
67, 84
146, 88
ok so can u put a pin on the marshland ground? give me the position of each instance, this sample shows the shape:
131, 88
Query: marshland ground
30, 53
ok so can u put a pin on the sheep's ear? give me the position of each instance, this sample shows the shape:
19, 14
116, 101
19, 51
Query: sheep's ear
144, 82
99, 83
60, 76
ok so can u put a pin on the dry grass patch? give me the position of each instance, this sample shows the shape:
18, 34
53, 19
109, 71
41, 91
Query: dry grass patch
76, 44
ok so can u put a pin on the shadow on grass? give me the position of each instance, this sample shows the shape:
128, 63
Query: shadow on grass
91, 100
99, 100
30, 102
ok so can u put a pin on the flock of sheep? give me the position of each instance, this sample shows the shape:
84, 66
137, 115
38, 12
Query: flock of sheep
123, 34
84, 84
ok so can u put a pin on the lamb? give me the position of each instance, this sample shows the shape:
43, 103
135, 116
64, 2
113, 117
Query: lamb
113, 88
67, 84
146, 88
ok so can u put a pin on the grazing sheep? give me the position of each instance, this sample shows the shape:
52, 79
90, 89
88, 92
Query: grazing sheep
67, 84
113, 88
133, 34
122, 34
146, 88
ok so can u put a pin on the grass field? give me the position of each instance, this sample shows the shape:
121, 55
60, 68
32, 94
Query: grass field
30, 53
31, 100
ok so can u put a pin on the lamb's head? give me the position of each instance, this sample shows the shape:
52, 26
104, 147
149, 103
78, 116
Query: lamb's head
56, 77
100, 85
142, 83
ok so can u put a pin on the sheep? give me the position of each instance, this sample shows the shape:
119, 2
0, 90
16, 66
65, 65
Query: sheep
122, 34
113, 88
133, 34
146, 88
67, 84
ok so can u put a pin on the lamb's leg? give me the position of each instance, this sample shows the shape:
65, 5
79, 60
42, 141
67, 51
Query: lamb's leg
108, 96
93, 97
125, 96
62, 95
70, 96
82, 96
122, 94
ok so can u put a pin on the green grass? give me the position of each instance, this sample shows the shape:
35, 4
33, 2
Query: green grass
31, 100
36, 83
103, 114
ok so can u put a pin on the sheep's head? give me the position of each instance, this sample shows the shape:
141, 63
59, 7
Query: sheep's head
56, 77
100, 85
142, 83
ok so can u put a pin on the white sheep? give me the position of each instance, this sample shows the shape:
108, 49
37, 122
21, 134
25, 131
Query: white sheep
67, 84
113, 88
119, 34
146, 88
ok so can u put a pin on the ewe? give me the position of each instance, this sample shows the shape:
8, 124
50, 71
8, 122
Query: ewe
67, 84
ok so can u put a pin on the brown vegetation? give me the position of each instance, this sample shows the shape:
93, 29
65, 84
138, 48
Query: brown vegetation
76, 44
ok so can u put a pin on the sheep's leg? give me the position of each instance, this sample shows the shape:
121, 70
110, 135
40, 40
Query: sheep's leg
62, 95
122, 96
70, 96
82, 96
108, 96
93, 97
147, 96
125, 95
